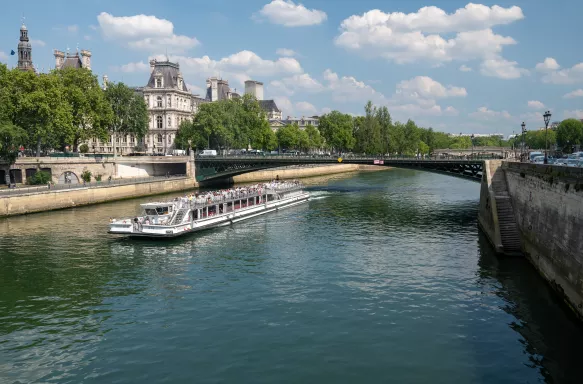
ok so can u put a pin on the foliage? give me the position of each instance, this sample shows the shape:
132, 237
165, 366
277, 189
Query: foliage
98, 177
86, 176
423, 148
288, 136
39, 178
129, 111
91, 112
337, 130
83, 148
11, 138
569, 133
538, 139
226, 124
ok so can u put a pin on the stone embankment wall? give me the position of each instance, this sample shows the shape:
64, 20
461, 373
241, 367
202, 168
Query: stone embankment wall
58, 199
548, 205
488, 215
299, 172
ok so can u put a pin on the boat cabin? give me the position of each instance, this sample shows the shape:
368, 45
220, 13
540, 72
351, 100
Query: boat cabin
157, 213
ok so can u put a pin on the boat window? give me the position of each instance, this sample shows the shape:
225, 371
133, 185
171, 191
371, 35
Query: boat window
162, 210
150, 212
212, 209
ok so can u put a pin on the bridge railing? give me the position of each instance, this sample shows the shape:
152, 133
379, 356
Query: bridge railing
355, 157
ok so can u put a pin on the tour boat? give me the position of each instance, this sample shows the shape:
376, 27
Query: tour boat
196, 212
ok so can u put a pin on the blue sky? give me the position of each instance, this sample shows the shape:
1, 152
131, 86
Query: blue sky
455, 66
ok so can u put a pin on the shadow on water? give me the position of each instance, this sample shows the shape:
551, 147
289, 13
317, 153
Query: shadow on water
552, 336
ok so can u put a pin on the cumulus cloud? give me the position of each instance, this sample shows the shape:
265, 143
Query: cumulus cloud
535, 104
424, 87
3, 56
285, 105
465, 68
73, 28
347, 88
297, 83
483, 113
406, 38
286, 52
571, 75
305, 108
290, 14
574, 94
143, 32
502, 69
549, 64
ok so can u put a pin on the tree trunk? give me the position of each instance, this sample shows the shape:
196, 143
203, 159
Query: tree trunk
113, 144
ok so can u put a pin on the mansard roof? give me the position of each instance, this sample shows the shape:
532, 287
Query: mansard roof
72, 62
269, 106
170, 73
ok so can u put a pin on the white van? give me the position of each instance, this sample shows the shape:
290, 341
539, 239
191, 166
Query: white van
208, 152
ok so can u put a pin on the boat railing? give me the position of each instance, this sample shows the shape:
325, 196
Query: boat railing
234, 196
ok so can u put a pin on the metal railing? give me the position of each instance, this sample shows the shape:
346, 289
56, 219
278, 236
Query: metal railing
349, 157
22, 190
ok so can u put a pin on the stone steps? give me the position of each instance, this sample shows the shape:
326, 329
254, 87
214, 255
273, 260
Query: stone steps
509, 234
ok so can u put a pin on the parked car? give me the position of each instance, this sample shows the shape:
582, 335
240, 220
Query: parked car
573, 162
561, 161
538, 160
208, 153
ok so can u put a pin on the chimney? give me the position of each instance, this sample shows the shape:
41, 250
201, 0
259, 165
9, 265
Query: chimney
105, 80
59, 58
86, 59
152, 65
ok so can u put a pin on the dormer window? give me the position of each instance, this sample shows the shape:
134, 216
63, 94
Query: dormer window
158, 82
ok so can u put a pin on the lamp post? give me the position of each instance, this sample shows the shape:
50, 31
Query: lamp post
523, 147
547, 117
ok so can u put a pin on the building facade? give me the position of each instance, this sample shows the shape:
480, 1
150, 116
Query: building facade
78, 60
24, 51
302, 122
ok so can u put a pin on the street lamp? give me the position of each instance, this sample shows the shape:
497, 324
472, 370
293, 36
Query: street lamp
523, 132
547, 117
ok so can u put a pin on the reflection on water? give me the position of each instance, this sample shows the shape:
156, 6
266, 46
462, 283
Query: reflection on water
382, 274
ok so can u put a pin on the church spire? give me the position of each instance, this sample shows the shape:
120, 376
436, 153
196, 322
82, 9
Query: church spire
24, 50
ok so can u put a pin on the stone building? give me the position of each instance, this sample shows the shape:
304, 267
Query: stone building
302, 122
218, 89
254, 88
24, 51
78, 60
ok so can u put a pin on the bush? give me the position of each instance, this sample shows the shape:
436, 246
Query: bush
83, 148
39, 178
86, 176
98, 177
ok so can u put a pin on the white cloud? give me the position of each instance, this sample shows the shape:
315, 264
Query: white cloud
138, 66
196, 89
347, 88
297, 83
406, 38
573, 94
285, 105
73, 28
451, 111
286, 52
535, 104
237, 67
144, 32
571, 75
326, 110
289, 14
87, 37
535, 117
423, 87
305, 108
465, 68
576, 114
549, 64
3, 56
37, 43
502, 68
483, 113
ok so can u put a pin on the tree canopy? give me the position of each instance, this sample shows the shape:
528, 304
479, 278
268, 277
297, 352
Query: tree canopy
569, 133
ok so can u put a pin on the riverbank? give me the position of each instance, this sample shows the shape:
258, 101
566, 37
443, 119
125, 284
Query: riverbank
301, 172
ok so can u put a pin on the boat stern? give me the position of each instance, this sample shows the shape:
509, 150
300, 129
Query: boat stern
122, 227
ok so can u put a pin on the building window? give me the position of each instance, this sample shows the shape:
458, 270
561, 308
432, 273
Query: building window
159, 122
159, 102
169, 101
124, 139
158, 83
159, 137
132, 139
169, 121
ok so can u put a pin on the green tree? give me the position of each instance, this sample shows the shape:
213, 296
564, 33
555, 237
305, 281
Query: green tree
288, 136
385, 122
11, 138
41, 109
130, 113
6, 100
569, 133
423, 148
398, 143
412, 134
91, 112
336, 128
461, 142
314, 138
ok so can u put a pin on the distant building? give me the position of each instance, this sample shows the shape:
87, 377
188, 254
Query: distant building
500, 135
24, 51
254, 88
78, 60
218, 89
302, 122
271, 110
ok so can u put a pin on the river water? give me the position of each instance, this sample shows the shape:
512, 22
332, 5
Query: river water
381, 277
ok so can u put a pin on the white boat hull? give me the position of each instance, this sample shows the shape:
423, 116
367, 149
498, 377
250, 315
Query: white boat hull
128, 228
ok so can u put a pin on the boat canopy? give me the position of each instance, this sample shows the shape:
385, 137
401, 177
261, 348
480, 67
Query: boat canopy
157, 209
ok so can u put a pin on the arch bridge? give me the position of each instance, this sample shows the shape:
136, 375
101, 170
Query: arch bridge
218, 167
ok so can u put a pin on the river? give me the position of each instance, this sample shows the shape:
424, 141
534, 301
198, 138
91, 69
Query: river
381, 277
